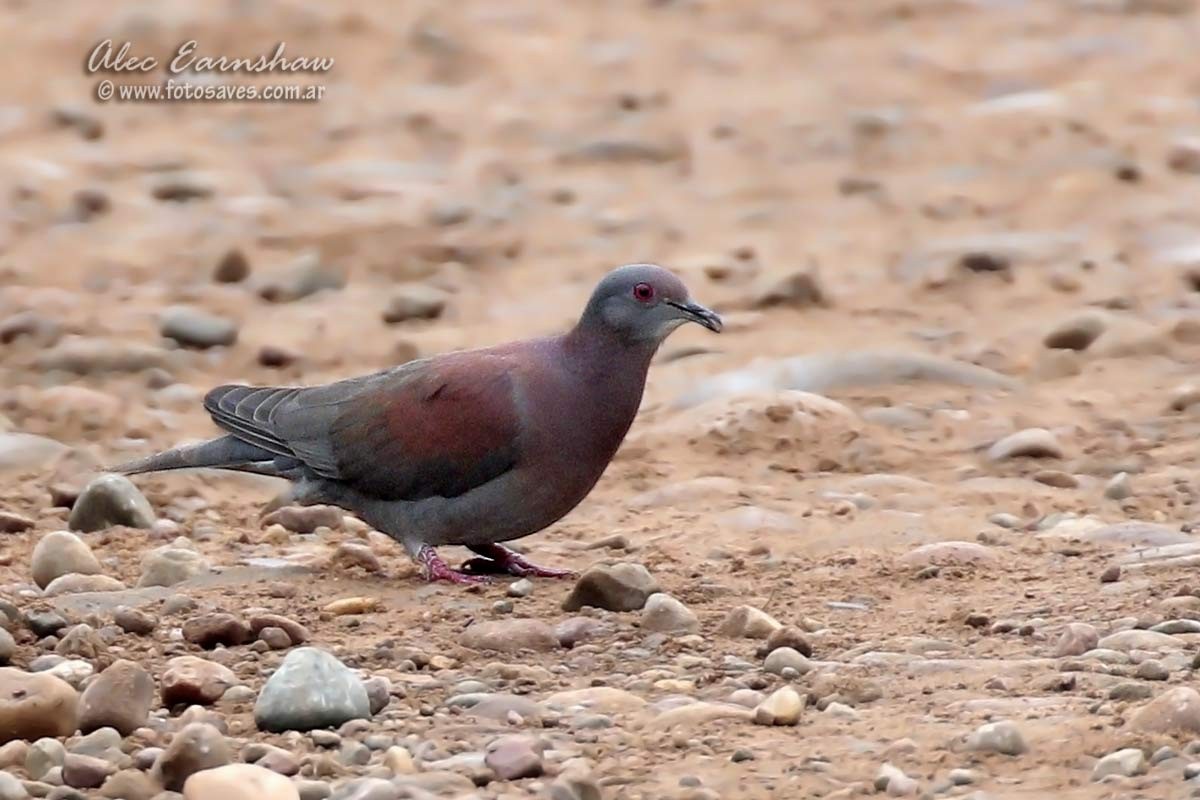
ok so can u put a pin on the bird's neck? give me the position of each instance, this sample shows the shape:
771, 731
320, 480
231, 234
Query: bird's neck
604, 354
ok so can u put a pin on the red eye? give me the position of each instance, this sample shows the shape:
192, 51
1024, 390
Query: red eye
643, 292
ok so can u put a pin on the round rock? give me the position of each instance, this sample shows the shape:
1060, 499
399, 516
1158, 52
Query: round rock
311, 689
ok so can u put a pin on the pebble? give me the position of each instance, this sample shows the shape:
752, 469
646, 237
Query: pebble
232, 267
574, 630
79, 584
11, 787
81, 641
787, 636
110, 500
1127, 762
510, 636
195, 328
86, 772
784, 658
135, 621
624, 586
130, 784
1076, 639
43, 756
1118, 487
120, 697
25, 451
952, 553
783, 707
196, 747
1151, 670
188, 680
311, 689
1056, 478
1029, 443
1175, 710
35, 705
170, 565
73, 671
61, 553
45, 624
357, 554
297, 634
348, 606
414, 302
239, 782
399, 761
521, 588
210, 630
998, 737
748, 622
1184, 155
8, 647
575, 787
798, 289
515, 757
305, 276
1124, 641
305, 519
1077, 332
11, 522
93, 356
664, 614
892, 780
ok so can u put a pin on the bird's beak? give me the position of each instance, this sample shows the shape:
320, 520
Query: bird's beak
694, 312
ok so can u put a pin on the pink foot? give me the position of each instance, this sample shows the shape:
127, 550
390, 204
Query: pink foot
498, 559
434, 569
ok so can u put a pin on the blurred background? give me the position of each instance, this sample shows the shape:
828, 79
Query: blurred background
947, 220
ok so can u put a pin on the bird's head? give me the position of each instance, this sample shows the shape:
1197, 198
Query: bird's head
644, 303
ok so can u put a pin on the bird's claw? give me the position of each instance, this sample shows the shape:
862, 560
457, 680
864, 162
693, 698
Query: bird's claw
434, 569
497, 560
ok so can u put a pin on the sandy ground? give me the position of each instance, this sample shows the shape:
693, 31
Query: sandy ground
960, 179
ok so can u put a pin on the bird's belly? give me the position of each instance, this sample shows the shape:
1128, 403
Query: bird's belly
520, 504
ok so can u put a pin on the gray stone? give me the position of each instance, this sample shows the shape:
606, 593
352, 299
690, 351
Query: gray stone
25, 451
192, 327
510, 636
197, 746
1029, 443
618, 587
414, 302
11, 787
1127, 762
311, 689
43, 756
110, 500
61, 553
515, 757
120, 697
169, 565
665, 614
80, 584
1175, 710
786, 658
998, 737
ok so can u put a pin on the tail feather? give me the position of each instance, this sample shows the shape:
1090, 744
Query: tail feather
226, 452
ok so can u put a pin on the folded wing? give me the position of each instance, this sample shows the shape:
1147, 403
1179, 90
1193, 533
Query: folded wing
429, 428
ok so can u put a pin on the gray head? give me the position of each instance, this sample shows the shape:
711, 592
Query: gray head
643, 304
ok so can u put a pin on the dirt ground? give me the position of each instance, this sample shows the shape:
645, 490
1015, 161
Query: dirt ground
961, 182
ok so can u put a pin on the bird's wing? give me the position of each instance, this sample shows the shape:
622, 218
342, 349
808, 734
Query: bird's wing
430, 428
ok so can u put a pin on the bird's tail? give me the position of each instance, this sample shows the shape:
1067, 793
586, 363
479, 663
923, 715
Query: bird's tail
225, 452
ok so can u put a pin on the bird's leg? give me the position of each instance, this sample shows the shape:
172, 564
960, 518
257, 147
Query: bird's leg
434, 569
500, 559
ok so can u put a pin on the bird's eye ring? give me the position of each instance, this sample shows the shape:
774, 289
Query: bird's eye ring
643, 292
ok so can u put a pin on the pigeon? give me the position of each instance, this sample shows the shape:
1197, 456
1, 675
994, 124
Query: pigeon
471, 447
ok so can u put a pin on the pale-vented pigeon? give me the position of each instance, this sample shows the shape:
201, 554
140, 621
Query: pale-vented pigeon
466, 448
